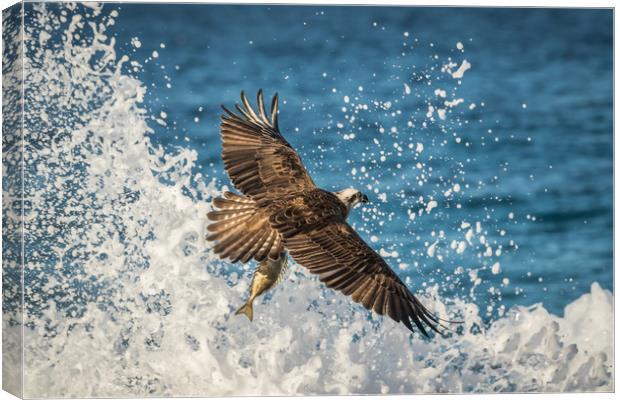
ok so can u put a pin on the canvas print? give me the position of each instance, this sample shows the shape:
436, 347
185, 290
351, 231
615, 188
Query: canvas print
232, 200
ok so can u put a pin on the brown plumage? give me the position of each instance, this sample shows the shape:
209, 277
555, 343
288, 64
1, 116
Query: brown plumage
242, 231
282, 209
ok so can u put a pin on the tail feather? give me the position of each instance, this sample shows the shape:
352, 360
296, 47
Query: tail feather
227, 224
225, 246
244, 247
231, 200
264, 249
241, 231
276, 249
246, 310
225, 215
252, 253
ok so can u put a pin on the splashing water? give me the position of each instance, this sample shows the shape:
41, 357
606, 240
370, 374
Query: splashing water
125, 298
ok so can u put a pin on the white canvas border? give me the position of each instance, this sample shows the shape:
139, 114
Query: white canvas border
479, 3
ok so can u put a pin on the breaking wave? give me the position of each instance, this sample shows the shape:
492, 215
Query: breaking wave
125, 298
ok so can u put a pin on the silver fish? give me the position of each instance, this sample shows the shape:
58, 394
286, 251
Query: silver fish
267, 275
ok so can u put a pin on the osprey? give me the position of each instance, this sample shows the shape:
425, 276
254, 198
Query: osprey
282, 210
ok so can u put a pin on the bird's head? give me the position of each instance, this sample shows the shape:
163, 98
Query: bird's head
351, 197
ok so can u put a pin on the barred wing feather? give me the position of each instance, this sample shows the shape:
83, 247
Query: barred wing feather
346, 263
259, 161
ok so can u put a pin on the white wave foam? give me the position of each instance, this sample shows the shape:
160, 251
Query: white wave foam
126, 299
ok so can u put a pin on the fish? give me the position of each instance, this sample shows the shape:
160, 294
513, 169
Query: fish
266, 276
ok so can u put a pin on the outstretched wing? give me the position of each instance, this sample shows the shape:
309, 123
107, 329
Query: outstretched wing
346, 263
256, 156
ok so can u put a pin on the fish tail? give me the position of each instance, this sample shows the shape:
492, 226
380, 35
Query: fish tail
246, 309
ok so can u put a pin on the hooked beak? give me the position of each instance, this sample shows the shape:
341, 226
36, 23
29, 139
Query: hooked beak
364, 198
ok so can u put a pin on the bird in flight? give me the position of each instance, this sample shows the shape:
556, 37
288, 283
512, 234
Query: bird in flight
281, 211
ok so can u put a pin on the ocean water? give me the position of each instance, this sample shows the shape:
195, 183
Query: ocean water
483, 138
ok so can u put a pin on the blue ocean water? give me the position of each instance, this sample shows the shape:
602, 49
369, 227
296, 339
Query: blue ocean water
533, 156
